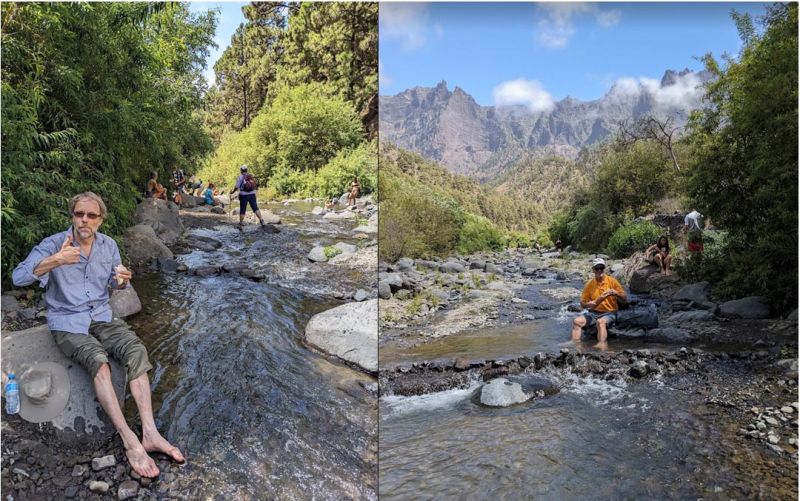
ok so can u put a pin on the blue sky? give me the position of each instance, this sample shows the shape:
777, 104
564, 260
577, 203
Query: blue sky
508, 53
229, 17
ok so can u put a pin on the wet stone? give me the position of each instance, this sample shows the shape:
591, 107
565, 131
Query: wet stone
98, 486
127, 489
71, 491
103, 462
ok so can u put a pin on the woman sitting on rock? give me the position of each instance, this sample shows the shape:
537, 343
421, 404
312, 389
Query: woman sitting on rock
209, 197
658, 253
155, 190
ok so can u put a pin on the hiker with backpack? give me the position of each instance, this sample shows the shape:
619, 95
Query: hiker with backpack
247, 187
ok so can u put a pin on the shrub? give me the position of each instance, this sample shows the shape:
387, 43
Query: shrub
477, 234
331, 251
632, 237
335, 177
516, 239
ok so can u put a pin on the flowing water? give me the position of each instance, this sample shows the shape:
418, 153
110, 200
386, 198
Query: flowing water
594, 439
259, 415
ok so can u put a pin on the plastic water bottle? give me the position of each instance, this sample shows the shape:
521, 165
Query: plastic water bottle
12, 395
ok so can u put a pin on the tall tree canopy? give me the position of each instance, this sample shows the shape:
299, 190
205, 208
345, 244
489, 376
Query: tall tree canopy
744, 166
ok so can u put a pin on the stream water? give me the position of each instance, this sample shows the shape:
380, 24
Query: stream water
594, 439
258, 415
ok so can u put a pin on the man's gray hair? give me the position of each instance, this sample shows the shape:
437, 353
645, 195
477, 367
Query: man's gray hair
91, 196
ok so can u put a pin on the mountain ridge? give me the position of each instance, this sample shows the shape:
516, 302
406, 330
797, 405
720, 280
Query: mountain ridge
452, 129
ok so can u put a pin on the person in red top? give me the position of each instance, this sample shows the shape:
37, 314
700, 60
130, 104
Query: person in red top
600, 297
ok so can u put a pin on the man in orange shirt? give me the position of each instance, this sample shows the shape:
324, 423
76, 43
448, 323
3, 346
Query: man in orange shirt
600, 297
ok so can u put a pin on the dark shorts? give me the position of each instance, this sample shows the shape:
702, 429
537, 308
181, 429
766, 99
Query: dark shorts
113, 338
591, 318
247, 199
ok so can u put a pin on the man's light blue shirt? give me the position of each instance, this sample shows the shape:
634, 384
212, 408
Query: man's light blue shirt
77, 294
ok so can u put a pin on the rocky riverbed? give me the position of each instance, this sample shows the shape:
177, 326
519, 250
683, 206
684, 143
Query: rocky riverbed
235, 385
723, 369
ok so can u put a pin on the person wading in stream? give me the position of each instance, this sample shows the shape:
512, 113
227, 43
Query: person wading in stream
77, 267
247, 188
599, 297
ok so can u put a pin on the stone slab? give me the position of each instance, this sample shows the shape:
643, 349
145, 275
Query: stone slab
83, 419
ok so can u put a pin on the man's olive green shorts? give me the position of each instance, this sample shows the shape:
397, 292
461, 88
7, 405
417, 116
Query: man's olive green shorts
115, 338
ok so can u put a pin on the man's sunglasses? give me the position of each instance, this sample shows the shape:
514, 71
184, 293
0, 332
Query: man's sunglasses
599, 268
91, 215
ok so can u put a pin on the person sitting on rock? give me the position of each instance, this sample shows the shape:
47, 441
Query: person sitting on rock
179, 180
77, 267
559, 246
355, 188
155, 190
658, 253
209, 198
330, 204
600, 297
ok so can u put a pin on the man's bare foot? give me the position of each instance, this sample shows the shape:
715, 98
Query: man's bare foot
157, 443
141, 463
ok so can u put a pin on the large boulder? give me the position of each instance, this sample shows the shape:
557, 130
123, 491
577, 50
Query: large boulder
749, 307
162, 216
83, 421
317, 254
346, 248
394, 280
143, 245
669, 335
451, 267
270, 217
125, 302
501, 392
349, 332
690, 316
384, 291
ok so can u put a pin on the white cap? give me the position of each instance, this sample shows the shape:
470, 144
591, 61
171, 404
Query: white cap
598, 260
243, 167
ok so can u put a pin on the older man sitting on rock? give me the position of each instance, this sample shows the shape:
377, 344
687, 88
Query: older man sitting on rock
599, 297
77, 267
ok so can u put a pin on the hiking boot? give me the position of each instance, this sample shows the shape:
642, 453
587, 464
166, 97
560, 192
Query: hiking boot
240, 226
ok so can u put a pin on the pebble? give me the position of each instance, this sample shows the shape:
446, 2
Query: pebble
760, 425
103, 462
71, 491
79, 470
792, 441
21, 471
773, 439
771, 420
98, 486
787, 409
755, 410
127, 489
775, 448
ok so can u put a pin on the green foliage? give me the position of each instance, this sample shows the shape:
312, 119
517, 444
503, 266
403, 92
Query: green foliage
302, 144
335, 177
477, 234
632, 237
517, 239
743, 173
94, 97
331, 251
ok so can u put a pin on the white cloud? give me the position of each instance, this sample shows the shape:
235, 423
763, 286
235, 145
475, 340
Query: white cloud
408, 23
555, 25
384, 80
686, 92
526, 92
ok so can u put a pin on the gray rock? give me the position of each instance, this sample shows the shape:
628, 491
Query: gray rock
451, 267
205, 271
162, 217
270, 218
384, 290
501, 392
345, 214
82, 421
104, 462
318, 211
394, 280
638, 369
349, 332
669, 335
477, 265
493, 268
698, 292
143, 245
404, 264
551, 255
98, 486
749, 307
125, 302
203, 243
360, 295
690, 316
346, 248
218, 210
8, 303
79, 470
26, 313
317, 254
167, 265
127, 489
424, 263
792, 317
617, 268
